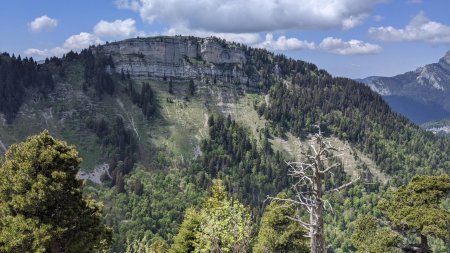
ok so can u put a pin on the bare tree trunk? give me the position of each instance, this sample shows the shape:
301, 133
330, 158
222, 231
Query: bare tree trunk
316, 216
310, 176
424, 244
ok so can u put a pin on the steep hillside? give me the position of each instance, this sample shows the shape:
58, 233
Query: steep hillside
421, 95
156, 119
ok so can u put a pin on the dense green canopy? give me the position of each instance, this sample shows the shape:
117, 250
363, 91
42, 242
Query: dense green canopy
42, 208
222, 225
414, 213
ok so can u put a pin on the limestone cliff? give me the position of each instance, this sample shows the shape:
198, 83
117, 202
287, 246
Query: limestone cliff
178, 58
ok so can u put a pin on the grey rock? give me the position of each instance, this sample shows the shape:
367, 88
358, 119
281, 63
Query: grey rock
178, 58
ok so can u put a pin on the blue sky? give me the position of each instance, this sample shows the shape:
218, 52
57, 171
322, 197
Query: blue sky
353, 38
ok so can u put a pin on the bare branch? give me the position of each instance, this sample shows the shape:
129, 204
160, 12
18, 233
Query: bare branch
304, 224
343, 186
329, 168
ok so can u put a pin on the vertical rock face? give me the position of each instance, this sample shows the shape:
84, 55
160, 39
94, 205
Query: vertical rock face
178, 58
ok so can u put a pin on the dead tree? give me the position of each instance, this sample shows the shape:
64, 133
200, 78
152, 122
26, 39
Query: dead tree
309, 180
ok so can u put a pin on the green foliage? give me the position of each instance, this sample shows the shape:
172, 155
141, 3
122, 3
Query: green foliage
278, 233
95, 73
16, 76
156, 212
222, 225
370, 238
416, 207
225, 224
42, 208
121, 145
144, 246
146, 100
184, 241
354, 113
159, 246
414, 212
231, 154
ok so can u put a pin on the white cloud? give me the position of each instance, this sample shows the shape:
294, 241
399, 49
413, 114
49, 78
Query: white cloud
245, 38
74, 43
338, 46
117, 28
81, 41
354, 21
283, 43
43, 23
253, 16
420, 28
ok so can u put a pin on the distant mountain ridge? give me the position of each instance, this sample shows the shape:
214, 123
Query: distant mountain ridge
421, 95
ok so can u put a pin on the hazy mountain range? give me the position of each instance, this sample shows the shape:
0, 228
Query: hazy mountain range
421, 95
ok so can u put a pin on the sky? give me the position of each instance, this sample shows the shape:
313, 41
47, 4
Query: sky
351, 38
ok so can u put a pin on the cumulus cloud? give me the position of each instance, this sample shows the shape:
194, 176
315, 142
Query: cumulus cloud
80, 41
338, 46
283, 43
420, 28
245, 38
253, 16
43, 23
117, 28
74, 43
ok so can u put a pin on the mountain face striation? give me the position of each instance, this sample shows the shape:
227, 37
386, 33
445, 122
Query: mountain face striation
173, 57
421, 95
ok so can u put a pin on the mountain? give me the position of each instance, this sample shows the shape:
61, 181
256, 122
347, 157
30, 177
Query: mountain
421, 95
156, 120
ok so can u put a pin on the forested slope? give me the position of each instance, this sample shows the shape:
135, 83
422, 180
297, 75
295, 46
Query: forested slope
166, 138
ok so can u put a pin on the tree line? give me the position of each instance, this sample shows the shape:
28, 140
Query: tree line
17, 75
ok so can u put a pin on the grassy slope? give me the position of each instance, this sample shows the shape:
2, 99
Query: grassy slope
178, 129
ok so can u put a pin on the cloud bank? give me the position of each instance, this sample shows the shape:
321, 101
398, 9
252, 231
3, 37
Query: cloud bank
253, 16
420, 28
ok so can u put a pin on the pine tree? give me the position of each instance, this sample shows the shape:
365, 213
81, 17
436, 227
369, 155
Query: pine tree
170, 86
278, 233
184, 241
413, 212
42, 208
191, 88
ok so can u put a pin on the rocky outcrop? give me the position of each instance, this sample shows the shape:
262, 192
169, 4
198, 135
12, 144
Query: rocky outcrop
178, 58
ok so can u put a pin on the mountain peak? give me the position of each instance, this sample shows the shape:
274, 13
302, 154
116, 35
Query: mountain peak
446, 58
